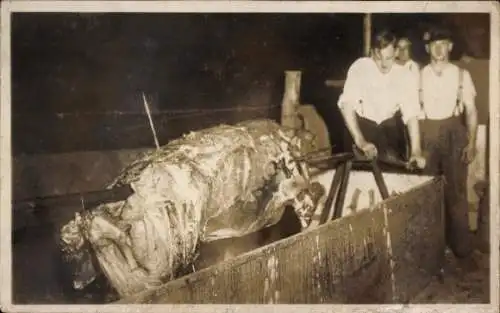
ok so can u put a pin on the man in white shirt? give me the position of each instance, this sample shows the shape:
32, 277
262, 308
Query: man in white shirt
447, 93
376, 97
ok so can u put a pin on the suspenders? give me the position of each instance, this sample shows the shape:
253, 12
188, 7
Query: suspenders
457, 110
459, 106
421, 93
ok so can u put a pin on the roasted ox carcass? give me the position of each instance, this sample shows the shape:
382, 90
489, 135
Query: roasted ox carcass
220, 182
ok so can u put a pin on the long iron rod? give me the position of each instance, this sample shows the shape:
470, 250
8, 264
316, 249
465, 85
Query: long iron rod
332, 193
379, 180
74, 199
339, 203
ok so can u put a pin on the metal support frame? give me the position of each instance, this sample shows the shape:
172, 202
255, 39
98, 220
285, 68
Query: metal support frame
337, 193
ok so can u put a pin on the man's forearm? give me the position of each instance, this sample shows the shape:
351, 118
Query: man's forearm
471, 119
352, 124
414, 133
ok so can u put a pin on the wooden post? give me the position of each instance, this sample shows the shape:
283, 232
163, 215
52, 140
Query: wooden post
367, 23
291, 98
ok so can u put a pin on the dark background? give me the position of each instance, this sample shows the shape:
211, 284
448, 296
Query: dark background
77, 78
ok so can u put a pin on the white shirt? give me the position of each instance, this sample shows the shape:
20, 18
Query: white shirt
440, 92
377, 96
414, 68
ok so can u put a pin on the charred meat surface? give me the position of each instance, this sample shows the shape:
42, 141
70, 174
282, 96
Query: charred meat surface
221, 182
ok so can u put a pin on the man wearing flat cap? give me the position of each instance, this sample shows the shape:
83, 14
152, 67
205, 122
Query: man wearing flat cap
449, 125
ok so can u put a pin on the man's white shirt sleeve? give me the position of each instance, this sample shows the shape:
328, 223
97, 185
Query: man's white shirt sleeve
469, 90
409, 95
351, 93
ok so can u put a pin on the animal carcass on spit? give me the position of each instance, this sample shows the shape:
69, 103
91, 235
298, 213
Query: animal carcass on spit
221, 182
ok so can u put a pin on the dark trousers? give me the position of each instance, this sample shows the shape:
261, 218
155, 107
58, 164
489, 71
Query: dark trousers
443, 142
389, 136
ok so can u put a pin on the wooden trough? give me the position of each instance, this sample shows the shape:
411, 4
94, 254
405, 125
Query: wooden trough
383, 254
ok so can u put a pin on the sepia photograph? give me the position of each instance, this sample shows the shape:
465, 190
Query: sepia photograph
249, 152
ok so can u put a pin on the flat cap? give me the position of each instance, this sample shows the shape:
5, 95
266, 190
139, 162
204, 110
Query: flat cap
437, 33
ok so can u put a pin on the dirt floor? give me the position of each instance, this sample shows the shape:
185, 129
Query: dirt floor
457, 284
